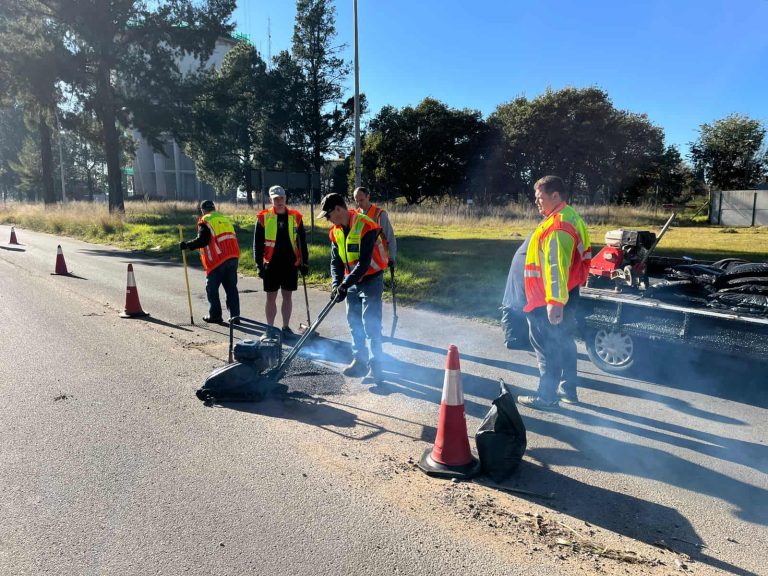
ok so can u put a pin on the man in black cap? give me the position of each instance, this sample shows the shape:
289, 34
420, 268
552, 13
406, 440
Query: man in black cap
358, 260
220, 254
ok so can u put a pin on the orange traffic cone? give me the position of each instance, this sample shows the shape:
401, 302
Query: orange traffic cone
451, 456
132, 304
61, 266
13, 237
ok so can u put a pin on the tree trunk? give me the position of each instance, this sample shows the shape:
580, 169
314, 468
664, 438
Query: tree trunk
46, 158
106, 113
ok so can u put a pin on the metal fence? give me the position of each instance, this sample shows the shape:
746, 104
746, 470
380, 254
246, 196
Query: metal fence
739, 208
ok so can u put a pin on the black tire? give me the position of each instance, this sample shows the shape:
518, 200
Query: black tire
613, 350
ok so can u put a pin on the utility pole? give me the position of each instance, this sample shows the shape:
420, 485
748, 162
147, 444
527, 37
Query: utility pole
358, 176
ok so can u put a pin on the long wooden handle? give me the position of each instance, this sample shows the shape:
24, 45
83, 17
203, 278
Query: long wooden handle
186, 275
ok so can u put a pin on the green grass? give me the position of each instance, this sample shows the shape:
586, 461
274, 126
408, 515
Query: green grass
449, 259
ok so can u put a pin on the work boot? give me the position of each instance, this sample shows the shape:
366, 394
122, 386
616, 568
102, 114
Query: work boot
288, 334
538, 403
213, 319
356, 369
375, 373
567, 396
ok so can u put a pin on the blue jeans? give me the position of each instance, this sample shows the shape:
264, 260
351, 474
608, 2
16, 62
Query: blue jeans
364, 317
555, 348
224, 274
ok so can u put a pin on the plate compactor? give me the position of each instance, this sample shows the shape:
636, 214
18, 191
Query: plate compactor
256, 366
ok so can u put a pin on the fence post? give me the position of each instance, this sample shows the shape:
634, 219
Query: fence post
720, 210
754, 209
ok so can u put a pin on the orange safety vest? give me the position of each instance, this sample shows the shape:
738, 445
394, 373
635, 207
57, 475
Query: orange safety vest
374, 213
555, 265
223, 245
268, 220
349, 247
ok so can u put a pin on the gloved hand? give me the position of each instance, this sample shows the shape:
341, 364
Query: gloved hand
304, 269
183, 245
339, 293
391, 264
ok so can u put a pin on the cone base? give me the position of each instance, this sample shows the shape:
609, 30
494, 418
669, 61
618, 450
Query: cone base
141, 314
433, 468
61, 273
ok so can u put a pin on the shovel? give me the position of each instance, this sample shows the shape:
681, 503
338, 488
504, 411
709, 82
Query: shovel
304, 328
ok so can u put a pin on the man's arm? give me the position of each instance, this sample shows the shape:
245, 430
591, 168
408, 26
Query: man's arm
389, 234
337, 267
558, 251
258, 246
203, 237
302, 235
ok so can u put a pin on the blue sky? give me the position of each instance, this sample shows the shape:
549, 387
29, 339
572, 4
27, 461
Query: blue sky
682, 62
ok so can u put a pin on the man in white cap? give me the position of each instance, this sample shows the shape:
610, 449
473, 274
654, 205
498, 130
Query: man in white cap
280, 253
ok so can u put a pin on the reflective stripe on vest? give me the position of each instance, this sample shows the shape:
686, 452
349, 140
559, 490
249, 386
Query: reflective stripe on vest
223, 245
349, 248
268, 219
374, 213
546, 264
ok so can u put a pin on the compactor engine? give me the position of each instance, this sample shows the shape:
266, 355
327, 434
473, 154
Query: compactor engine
623, 259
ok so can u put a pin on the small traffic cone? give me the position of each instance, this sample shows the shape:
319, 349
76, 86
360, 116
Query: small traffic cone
61, 266
13, 237
132, 304
451, 456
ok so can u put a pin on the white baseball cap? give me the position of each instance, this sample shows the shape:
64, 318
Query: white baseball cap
276, 192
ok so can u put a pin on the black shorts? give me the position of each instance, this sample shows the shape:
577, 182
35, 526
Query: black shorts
281, 277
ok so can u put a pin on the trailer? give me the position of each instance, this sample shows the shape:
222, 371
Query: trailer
620, 329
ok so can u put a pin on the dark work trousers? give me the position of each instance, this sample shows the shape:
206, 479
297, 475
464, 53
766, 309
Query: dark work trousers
364, 317
224, 274
555, 348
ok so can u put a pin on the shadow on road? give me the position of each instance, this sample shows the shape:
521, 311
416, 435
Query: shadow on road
636, 518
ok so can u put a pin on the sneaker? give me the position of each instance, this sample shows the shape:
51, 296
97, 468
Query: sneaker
288, 334
356, 369
213, 320
537, 403
567, 397
375, 374
235, 321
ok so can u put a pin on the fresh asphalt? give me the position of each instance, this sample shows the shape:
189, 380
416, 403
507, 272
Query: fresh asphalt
110, 465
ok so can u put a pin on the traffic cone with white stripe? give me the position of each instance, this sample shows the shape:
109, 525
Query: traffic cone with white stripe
13, 237
61, 265
132, 304
451, 456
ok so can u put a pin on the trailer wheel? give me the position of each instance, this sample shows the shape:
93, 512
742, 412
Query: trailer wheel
613, 351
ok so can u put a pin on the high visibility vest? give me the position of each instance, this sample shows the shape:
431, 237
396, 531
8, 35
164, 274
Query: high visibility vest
268, 219
349, 247
374, 213
223, 245
557, 259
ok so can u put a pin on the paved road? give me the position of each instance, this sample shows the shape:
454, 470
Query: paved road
111, 466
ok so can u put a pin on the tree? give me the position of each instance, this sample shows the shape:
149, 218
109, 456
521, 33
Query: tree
314, 74
235, 123
124, 58
601, 152
730, 152
422, 152
13, 133
32, 62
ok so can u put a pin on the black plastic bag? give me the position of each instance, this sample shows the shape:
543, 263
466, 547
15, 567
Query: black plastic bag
501, 439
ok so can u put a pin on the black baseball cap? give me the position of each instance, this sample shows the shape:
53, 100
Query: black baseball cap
329, 202
207, 205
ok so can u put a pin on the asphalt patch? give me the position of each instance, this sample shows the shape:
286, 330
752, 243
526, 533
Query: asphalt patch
311, 378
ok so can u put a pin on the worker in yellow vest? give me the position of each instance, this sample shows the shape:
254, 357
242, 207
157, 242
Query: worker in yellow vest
380, 216
556, 264
358, 261
280, 254
220, 255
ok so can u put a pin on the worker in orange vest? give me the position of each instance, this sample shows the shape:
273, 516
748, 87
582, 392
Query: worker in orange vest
220, 255
280, 253
556, 264
358, 261
380, 216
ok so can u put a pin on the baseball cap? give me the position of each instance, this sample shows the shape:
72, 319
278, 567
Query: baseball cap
277, 192
207, 205
329, 202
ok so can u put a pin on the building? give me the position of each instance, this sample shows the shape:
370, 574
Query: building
170, 174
